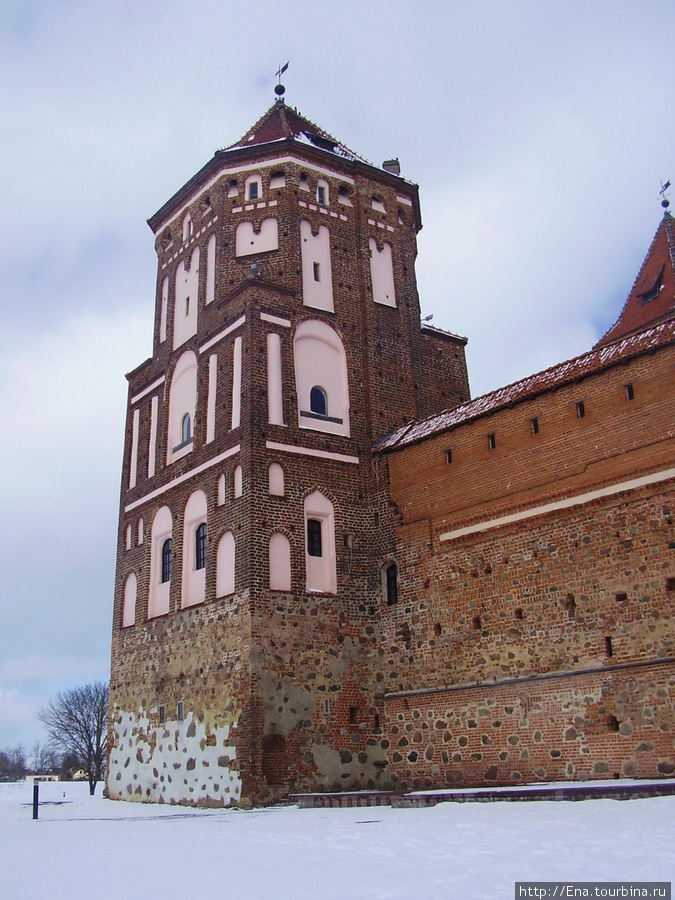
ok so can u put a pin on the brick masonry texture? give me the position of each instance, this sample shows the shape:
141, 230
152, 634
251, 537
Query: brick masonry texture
537, 649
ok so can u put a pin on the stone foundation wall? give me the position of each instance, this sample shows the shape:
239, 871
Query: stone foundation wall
618, 723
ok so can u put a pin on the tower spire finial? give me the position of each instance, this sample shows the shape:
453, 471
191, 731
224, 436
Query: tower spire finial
665, 202
279, 89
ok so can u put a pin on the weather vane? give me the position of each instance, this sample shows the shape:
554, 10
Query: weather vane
665, 202
279, 89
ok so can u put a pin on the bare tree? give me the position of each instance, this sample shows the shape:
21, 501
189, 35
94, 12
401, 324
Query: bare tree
77, 723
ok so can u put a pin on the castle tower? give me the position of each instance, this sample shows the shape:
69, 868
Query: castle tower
256, 542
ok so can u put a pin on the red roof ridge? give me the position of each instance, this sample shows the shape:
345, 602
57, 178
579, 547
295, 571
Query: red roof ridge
578, 367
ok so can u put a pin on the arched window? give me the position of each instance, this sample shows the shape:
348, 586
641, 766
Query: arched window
318, 401
194, 550
182, 402
200, 546
160, 563
390, 583
320, 561
166, 561
321, 373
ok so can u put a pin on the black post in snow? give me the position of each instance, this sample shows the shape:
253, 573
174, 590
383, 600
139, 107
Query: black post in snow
36, 798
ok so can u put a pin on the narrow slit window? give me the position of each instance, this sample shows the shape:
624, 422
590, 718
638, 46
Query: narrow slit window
180, 711
477, 624
630, 393
492, 442
162, 714
186, 429
166, 561
321, 195
608, 647
253, 190
392, 584
581, 409
316, 268
200, 548
314, 547
534, 425
448, 457
353, 715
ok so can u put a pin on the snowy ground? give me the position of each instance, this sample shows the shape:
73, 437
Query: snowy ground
86, 848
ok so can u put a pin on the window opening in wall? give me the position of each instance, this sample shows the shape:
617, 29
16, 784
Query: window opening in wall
608, 647
253, 190
200, 547
166, 561
630, 393
353, 715
318, 401
233, 189
448, 457
570, 606
477, 624
314, 537
187, 306
534, 425
438, 629
321, 195
180, 711
304, 186
162, 714
326, 706
621, 596
316, 268
670, 585
492, 442
519, 614
376, 721
581, 409
392, 584
612, 723
185, 429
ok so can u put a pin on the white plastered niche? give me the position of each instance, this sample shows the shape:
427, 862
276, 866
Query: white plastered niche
185, 302
317, 276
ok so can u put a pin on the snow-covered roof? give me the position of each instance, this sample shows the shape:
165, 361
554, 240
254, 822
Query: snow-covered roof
572, 370
281, 122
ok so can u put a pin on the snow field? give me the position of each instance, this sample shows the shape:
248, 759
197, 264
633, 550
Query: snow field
88, 847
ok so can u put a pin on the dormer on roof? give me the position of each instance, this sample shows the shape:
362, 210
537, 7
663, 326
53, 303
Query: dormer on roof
652, 297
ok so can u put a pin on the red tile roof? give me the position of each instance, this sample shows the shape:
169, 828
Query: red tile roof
652, 297
282, 122
580, 367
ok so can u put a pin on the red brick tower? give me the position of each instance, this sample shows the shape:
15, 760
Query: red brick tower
255, 544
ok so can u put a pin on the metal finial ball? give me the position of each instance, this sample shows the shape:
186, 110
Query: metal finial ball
279, 90
665, 203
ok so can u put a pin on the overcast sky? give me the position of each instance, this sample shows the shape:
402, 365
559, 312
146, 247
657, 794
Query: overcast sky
538, 132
